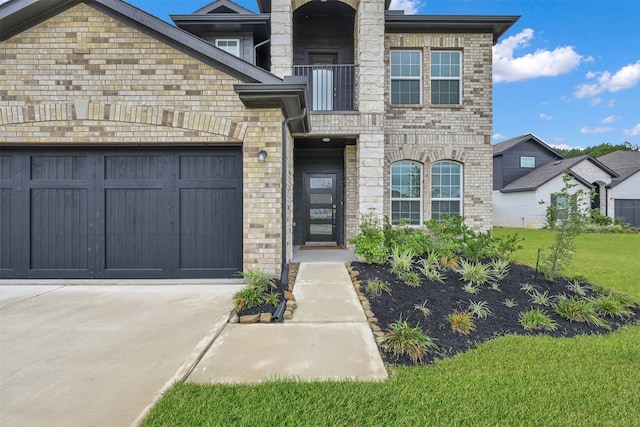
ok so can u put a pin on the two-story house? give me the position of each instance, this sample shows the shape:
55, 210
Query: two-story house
135, 148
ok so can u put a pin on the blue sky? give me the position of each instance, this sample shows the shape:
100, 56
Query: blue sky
568, 71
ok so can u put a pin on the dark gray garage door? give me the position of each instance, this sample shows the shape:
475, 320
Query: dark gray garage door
120, 213
629, 210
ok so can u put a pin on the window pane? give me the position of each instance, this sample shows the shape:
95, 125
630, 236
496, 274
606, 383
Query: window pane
406, 192
321, 198
405, 92
445, 92
320, 183
440, 208
406, 64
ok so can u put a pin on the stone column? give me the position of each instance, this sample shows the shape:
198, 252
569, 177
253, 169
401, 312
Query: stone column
281, 38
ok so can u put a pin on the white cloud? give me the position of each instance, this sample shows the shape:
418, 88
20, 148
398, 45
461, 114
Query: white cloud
635, 131
497, 136
625, 78
410, 7
541, 63
559, 139
564, 146
611, 103
545, 116
610, 119
595, 101
588, 131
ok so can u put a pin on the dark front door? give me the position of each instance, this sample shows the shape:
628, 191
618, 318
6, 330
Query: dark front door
321, 207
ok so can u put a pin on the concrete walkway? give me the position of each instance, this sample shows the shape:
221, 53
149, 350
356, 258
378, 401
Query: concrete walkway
328, 339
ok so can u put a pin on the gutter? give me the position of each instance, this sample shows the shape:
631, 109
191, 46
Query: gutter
284, 271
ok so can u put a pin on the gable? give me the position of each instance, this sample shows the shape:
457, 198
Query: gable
510, 164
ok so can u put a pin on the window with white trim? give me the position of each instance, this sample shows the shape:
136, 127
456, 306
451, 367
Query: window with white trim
446, 189
231, 46
527, 162
406, 77
406, 193
446, 78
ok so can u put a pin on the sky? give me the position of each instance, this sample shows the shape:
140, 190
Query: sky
568, 71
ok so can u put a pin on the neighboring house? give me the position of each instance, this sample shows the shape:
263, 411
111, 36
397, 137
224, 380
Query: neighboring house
134, 148
623, 194
527, 171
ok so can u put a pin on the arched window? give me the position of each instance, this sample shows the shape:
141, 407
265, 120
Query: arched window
406, 193
446, 189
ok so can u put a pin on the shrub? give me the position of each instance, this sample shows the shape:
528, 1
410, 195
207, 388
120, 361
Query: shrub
403, 339
430, 268
461, 322
578, 310
370, 241
611, 306
376, 287
474, 273
248, 297
534, 318
406, 238
410, 278
401, 261
259, 279
500, 268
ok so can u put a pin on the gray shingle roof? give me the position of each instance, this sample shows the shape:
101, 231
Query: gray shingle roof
624, 163
549, 171
510, 143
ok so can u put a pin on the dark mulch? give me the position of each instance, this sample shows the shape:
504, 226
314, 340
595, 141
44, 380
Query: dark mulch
443, 299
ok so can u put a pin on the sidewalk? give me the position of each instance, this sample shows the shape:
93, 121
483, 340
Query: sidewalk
328, 339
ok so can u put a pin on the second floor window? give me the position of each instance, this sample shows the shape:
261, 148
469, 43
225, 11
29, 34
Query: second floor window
446, 78
229, 45
406, 77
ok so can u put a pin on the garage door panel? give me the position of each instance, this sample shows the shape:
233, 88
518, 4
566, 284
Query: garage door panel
131, 168
7, 261
63, 168
132, 229
59, 229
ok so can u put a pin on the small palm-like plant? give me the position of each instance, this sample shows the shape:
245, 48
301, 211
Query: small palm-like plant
430, 268
540, 298
272, 298
411, 278
422, 308
611, 306
401, 261
248, 297
534, 318
527, 287
259, 279
403, 339
479, 309
376, 287
578, 310
575, 287
509, 303
474, 273
470, 288
500, 268
461, 322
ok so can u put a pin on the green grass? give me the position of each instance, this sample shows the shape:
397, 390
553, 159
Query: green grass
609, 260
513, 380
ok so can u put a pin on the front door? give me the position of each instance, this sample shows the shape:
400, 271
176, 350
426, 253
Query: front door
321, 207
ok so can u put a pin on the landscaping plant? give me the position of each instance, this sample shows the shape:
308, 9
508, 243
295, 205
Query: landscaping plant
370, 241
404, 339
535, 318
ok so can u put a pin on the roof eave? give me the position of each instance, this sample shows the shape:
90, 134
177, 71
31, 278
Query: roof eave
494, 24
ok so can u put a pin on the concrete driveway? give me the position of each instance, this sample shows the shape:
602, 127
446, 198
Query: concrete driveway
100, 355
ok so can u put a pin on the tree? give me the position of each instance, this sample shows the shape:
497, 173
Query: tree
597, 150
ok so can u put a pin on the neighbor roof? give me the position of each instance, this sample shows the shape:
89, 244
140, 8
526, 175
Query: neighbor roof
503, 146
624, 163
545, 173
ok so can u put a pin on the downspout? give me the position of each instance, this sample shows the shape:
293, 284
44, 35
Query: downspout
284, 272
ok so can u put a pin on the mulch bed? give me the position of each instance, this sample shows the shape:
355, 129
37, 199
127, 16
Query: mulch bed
443, 299
279, 289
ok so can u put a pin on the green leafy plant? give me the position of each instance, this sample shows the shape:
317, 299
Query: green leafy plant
534, 318
495, 286
500, 268
376, 287
403, 339
406, 238
578, 310
259, 279
475, 273
611, 306
479, 309
461, 322
509, 302
370, 241
272, 298
430, 268
527, 287
575, 287
248, 297
567, 216
540, 298
422, 308
470, 288
401, 261
411, 278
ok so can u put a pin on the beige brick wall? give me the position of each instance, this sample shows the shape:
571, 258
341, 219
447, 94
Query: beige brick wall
427, 134
82, 77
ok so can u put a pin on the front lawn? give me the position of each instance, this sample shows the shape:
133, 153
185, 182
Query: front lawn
512, 380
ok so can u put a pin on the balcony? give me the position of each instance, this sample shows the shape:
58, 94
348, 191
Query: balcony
331, 87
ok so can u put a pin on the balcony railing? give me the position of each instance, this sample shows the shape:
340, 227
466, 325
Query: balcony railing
332, 87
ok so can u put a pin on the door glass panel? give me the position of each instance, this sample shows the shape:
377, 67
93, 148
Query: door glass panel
316, 183
320, 213
320, 229
321, 198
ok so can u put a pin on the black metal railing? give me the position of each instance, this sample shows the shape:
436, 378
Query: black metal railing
331, 87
